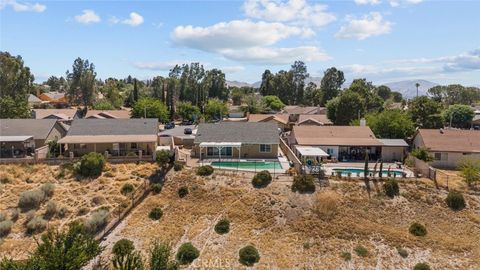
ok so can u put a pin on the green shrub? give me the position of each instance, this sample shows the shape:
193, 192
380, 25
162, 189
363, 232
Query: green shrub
29, 215
182, 191
303, 183
402, 252
155, 214
187, 253
51, 209
249, 255
123, 247
417, 229
127, 189
361, 251
455, 200
14, 214
31, 199
97, 221
262, 179
347, 256
36, 225
48, 189
421, 266
177, 166
91, 165
156, 188
159, 257
391, 188
5, 227
205, 170
223, 226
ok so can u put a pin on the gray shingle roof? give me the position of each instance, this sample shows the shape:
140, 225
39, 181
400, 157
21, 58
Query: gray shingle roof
38, 128
86, 127
245, 132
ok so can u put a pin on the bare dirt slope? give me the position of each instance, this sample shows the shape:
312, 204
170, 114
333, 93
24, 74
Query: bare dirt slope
79, 198
307, 231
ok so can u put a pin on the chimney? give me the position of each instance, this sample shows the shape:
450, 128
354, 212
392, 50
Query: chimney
363, 122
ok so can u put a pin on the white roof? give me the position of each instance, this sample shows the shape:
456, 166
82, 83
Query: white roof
311, 151
15, 138
163, 147
394, 142
220, 144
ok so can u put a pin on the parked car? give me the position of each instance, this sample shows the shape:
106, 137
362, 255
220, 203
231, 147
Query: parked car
187, 122
187, 131
169, 125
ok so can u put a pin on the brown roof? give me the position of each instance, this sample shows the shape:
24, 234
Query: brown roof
335, 135
321, 119
304, 110
119, 114
282, 118
42, 113
108, 139
450, 140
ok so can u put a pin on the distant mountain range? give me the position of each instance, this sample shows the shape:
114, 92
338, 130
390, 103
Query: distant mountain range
407, 87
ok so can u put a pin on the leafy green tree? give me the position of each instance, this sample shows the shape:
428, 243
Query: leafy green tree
267, 86
82, 82
214, 84
455, 94
215, 109
459, 115
135, 91
299, 71
187, 111
163, 158
253, 104
397, 96
122, 247
345, 108
160, 257
56, 84
425, 112
103, 105
367, 91
470, 171
16, 81
158, 87
384, 92
150, 108
11, 108
422, 154
313, 95
187, 253
112, 92
273, 103
331, 84
390, 124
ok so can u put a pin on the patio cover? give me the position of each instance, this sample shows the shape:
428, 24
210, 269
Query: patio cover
220, 144
311, 151
15, 138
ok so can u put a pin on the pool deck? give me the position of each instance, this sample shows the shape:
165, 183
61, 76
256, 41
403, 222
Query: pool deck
329, 167
283, 163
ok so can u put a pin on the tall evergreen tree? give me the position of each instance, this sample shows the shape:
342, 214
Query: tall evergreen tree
331, 83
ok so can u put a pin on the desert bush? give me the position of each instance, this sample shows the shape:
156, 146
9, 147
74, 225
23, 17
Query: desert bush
182, 191
347, 256
3, 217
402, 252
14, 214
326, 204
187, 253
303, 183
248, 255
91, 165
31, 199
30, 215
127, 189
48, 189
417, 229
455, 200
159, 257
97, 221
223, 226
36, 225
156, 188
421, 266
205, 170
51, 209
98, 200
262, 179
155, 214
361, 251
82, 211
177, 166
62, 212
5, 227
122, 247
391, 188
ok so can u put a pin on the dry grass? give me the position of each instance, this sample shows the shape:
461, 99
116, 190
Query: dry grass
70, 196
286, 229
452, 178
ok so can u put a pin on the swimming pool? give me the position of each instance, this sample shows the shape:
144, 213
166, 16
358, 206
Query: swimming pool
359, 172
250, 165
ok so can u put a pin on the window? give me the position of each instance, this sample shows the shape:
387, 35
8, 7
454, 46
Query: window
265, 148
133, 145
212, 151
80, 146
438, 156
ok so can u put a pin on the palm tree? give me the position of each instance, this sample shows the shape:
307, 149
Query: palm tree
417, 85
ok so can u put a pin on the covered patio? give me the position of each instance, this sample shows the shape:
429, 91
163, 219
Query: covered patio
16, 146
311, 158
220, 149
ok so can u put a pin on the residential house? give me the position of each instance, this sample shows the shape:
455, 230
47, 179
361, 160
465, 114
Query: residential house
33, 100
66, 115
313, 120
394, 149
108, 114
237, 140
28, 134
53, 97
304, 110
281, 120
342, 143
117, 137
448, 146
476, 118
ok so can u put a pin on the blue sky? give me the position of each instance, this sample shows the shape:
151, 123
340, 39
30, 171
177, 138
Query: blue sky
382, 40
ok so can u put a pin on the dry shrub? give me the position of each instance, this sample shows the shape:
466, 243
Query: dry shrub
5, 227
48, 189
98, 200
51, 210
36, 225
31, 199
14, 214
3, 217
97, 221
326, 204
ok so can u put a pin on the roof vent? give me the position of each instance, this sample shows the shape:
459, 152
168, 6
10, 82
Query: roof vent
441, 131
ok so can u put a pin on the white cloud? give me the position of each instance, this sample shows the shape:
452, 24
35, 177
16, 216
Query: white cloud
135, 19
165, 65
295, 11
88, 16
369, 25
397, 3
232, 69
267, 55
23, 6
368, 2
236, 34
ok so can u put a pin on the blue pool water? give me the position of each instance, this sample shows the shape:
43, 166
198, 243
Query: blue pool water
250, 165
354, 172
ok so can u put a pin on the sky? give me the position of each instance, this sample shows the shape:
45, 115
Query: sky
381, 40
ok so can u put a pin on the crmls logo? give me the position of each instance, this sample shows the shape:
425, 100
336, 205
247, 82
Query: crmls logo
212, 264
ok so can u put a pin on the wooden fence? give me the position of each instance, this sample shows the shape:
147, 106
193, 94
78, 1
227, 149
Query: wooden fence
290, 155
